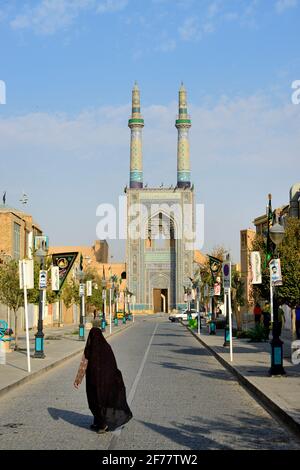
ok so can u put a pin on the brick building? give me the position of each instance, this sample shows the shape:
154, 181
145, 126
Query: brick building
17, 232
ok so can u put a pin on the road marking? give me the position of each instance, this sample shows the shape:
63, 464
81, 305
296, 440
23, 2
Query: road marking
117, 433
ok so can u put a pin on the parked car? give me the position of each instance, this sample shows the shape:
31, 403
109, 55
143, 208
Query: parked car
183, 315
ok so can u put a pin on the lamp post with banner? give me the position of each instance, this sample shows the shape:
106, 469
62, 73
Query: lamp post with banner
104, 285
215, 266
41, 250
80, 276
276, 234
198, 290
82, 305
226, 271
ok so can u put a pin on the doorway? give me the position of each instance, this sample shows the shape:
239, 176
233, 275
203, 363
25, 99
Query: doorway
160, 300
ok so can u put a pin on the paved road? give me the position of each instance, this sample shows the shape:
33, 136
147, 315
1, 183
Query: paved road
181, 398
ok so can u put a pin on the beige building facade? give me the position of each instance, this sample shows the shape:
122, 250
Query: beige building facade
17, 232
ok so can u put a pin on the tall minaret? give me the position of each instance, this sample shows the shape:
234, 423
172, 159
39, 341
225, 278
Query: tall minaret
136, 124
183, 123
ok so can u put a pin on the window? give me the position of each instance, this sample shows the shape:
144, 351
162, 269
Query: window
17, 230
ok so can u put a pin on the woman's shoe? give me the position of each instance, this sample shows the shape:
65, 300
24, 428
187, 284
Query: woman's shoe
94, 427
102, 430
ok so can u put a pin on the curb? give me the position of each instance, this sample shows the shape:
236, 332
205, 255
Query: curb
264, 400
42, 371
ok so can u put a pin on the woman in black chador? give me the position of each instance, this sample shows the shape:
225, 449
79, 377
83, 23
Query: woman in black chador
105, 388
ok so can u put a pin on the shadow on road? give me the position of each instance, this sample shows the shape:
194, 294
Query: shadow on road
77, 419
225, 433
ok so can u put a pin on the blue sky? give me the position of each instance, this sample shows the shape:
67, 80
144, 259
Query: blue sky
69, 67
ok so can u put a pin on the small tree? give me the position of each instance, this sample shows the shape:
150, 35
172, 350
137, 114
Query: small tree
10, 293
237, 286
70, 293
289, 254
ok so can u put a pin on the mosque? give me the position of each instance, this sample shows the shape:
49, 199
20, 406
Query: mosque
160, 222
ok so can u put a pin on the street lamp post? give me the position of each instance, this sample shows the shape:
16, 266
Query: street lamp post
125, 297
276, 235
81, 295
39, 337
103, 321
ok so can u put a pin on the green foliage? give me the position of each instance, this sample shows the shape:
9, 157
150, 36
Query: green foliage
257, 334
70, 293
242, 334
193, 323
95, 299
289, 254
10, 292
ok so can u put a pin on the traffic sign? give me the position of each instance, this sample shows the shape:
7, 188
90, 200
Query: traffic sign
226, 269
43, 279
81, 289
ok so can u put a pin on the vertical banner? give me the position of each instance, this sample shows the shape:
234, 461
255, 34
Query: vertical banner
217, 288
26, 266
30, 245
89, 288
275, 272
55, 278
255, 262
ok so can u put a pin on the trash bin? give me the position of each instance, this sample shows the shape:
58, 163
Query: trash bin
295, 352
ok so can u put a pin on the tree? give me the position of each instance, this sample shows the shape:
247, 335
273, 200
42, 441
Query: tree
289, 254
237, 286
70, 293
238, 295
10, 292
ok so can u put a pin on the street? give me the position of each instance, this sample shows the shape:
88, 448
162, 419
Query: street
180, 396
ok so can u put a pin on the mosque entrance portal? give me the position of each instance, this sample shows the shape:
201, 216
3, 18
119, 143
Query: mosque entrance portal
160, 300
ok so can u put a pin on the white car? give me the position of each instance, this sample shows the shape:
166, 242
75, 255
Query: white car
184, 315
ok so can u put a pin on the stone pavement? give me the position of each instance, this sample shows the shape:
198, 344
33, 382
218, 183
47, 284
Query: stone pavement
60, 344
251, 363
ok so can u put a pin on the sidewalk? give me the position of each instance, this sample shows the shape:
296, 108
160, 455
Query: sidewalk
59, 345
251, 363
